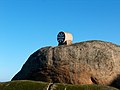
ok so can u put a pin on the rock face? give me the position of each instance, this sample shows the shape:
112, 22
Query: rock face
90, 62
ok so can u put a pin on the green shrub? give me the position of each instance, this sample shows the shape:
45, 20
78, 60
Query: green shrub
23, 85
81, 87
36, 85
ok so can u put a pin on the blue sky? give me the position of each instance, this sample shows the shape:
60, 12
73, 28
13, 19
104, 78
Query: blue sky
27, 25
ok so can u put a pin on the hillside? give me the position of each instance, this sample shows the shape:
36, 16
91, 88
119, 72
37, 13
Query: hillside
35, 85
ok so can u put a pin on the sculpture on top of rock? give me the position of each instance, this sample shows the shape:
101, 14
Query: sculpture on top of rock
64, 38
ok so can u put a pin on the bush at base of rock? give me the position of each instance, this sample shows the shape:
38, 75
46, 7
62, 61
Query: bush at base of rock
35, 85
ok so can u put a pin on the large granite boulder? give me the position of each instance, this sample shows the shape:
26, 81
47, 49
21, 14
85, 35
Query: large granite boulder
90, 62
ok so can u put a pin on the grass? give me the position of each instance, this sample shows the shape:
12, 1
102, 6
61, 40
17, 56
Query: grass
36, 85
23, 85
82, 87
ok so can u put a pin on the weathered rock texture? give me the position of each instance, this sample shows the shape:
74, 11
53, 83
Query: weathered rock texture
91, 62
